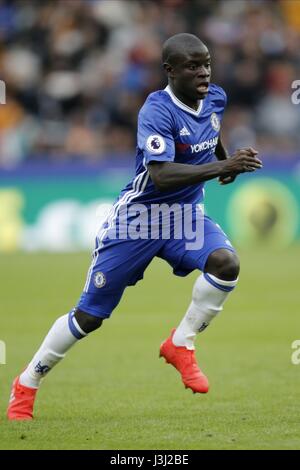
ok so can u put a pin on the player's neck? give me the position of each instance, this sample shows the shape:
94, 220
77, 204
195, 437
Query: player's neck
191, 104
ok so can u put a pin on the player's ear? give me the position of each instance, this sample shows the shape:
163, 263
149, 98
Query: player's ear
168, 68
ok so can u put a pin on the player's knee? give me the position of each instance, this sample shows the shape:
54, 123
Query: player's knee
87, 322
223, 264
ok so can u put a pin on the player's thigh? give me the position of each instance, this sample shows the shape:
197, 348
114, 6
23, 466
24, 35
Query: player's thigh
185, 256
116, 264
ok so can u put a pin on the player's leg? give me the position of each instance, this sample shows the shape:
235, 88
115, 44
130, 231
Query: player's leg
65, 332
114, 266
220, 266
68, 330
210, 291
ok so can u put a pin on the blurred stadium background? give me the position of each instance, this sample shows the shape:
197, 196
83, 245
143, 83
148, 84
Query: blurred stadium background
76, 74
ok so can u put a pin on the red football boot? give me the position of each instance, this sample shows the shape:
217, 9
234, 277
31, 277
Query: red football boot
184, 361
21, 402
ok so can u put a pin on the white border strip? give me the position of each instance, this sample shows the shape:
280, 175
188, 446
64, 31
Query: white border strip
183, 106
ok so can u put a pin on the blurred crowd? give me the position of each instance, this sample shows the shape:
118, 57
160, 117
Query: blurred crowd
78, 71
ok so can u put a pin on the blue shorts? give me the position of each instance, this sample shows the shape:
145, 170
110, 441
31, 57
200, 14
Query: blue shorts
118, 263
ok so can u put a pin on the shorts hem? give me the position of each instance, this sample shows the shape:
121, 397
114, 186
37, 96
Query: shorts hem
93, 312
185, 272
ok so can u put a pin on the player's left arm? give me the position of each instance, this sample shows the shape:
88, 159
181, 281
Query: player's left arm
220, 151
222, 154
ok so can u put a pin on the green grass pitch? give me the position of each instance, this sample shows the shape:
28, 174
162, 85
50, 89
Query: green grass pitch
112, 391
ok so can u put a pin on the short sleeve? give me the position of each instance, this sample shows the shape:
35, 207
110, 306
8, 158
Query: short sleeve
155, 133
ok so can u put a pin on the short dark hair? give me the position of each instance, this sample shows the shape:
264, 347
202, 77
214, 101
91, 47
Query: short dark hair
180, 44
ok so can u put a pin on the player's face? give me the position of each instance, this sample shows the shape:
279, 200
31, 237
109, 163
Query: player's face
191, 75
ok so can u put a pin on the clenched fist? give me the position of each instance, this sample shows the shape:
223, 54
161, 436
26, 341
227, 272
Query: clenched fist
242, 161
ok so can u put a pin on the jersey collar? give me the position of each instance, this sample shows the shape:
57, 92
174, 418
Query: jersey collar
181, 105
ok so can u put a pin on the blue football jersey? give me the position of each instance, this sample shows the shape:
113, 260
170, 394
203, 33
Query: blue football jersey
168, 131
171, 131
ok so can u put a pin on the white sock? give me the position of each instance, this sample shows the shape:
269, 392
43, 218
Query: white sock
209, 295
64, 333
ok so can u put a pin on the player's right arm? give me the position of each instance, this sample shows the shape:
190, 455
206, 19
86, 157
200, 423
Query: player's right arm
170, 175
156, 133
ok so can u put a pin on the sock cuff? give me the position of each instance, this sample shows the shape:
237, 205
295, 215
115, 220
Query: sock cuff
74, 326
226, 286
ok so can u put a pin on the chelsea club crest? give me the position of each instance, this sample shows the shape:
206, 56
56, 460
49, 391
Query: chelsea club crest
215, 122
99, 279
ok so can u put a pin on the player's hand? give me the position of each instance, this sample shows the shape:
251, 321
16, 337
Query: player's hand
226, 179
242, 161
